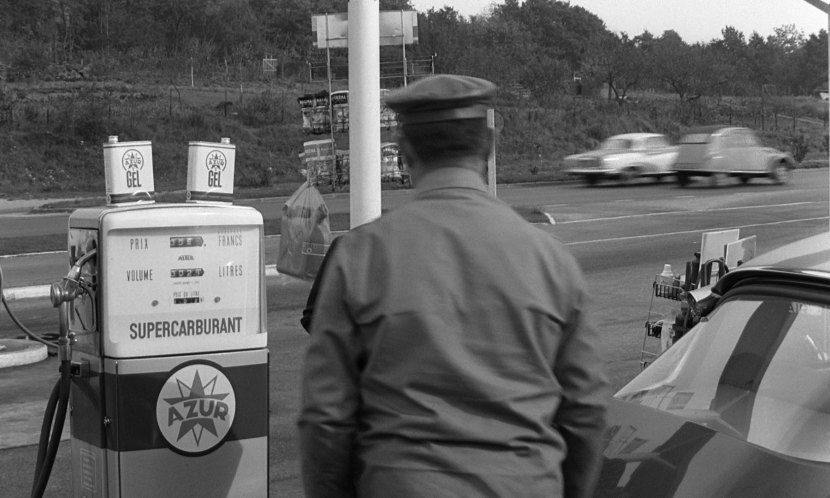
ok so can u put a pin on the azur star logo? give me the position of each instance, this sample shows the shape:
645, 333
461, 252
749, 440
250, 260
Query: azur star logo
132, 160
200, 415
216, 161
194, 415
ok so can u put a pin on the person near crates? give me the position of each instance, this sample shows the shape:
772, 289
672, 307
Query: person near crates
450, 351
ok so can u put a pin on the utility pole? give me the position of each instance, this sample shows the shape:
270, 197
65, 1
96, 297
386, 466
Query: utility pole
825, 7
364, 112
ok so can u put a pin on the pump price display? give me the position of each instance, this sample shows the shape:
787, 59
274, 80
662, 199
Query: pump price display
186, 241
182, 283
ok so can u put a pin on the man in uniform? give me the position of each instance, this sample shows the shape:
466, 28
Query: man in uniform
450, 350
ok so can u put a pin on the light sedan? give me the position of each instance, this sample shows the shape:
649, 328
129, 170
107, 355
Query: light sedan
624, 158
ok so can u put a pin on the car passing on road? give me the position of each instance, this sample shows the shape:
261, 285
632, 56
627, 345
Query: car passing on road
624, 158
740, 405
720, 152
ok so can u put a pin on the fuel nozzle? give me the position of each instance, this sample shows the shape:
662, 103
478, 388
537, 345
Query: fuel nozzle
70, 286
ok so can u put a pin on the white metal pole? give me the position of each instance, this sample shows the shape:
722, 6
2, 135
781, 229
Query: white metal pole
364, 111
825, 7
491, 160
333, 165
403, 49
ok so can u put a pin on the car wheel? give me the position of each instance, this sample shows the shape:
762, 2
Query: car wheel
627, 176
780, 173
717, 179
682, 179
744, 179
591, 180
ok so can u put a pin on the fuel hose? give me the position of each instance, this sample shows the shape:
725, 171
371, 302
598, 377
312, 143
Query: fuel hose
23, 328
51, 429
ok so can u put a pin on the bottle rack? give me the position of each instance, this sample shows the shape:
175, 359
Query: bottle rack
660, 325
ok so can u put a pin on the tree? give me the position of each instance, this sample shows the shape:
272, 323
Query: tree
729, 62
444, 34
812, 63
619, 63
677, 65
785, 43
557, 29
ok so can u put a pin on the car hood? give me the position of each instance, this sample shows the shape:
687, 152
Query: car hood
649, 452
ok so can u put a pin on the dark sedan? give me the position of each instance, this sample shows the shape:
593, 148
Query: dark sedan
721, 152
740, 406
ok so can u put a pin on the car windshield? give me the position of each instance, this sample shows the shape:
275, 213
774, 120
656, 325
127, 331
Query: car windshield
695, 138
615, 144
757, 368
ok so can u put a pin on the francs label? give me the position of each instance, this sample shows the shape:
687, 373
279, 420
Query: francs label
230, 238
195, 408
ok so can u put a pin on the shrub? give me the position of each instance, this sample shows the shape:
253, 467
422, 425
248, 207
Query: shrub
799, 147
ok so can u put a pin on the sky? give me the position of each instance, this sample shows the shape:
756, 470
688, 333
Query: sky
694, 20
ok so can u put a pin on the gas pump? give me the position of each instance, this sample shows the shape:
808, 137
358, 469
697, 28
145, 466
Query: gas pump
165, 312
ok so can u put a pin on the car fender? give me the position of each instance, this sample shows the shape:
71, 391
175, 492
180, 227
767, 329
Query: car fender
775, 156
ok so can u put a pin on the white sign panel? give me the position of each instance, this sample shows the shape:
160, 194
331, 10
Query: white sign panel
740, 251
397, 27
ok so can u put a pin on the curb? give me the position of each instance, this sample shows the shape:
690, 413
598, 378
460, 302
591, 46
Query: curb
17, 352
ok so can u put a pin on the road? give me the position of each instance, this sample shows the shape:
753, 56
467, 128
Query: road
621, 237
580, 214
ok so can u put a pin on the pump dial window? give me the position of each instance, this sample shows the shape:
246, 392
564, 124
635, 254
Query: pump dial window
191, 241
186, 272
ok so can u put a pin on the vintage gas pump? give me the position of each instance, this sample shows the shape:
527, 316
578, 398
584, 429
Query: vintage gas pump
166, 315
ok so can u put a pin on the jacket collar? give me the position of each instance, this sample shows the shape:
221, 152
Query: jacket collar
450, 177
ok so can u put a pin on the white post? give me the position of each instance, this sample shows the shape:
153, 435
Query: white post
825, 7
364, 111
333, 165
403, 49
491, 160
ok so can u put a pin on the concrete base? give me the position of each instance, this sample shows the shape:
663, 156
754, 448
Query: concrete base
16, 352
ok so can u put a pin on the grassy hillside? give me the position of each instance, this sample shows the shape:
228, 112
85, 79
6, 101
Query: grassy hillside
53, 131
